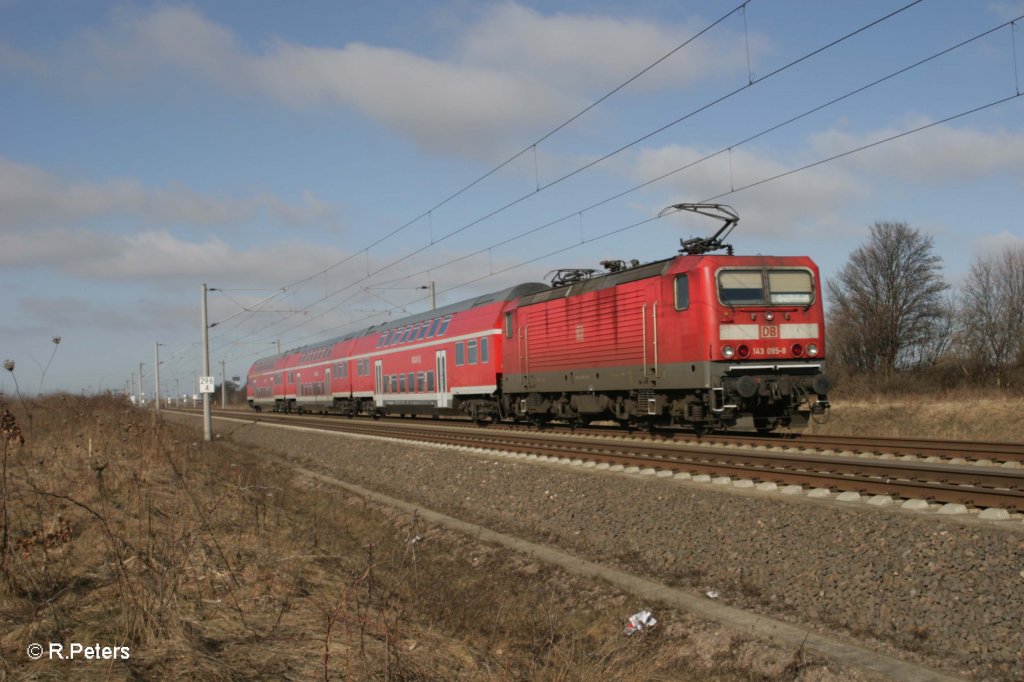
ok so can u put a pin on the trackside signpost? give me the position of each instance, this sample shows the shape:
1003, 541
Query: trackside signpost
207, 420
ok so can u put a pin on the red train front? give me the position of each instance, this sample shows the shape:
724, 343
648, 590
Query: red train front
708, 341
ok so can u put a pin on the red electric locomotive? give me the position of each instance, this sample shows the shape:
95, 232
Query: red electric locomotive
698, 340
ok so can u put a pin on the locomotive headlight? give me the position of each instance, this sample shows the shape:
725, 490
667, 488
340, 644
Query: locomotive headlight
812, 349
728, 352
769, 316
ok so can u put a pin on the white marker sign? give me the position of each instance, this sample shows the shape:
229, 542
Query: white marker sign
206, 384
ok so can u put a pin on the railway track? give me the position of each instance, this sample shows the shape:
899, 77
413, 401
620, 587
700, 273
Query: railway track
837, 464
956, 451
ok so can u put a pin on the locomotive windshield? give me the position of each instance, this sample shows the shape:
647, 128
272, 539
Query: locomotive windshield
765, 287
790, 287
741, 287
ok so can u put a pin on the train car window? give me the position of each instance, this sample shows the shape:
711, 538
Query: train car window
277, 379
430, 381
421, 381
291, 377
741, 287
433, 327
393, 336
793, 287
444, 325
412, 381
483, 350
401, 383
423, 330
414, 330
460, 354
394, 383
383, 340
682, 292
471, 352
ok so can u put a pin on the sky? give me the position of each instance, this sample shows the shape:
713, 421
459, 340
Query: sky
318, 163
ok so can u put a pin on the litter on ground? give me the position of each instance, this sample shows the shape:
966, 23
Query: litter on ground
639, 621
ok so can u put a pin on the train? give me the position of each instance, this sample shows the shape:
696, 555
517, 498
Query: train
700, 340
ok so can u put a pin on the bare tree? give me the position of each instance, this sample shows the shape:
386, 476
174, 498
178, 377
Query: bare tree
887, 307
990, 336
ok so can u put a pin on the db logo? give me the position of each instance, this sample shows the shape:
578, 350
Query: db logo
769, 331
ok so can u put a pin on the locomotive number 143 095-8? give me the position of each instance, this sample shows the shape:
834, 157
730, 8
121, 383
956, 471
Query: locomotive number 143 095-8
770, 350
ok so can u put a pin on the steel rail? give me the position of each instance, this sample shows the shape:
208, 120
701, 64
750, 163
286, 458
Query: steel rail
947, 449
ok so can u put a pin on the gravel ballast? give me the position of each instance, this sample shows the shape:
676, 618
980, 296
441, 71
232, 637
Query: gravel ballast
937, 589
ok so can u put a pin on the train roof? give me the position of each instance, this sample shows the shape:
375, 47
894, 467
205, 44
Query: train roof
508, 294
599, 282
634, 273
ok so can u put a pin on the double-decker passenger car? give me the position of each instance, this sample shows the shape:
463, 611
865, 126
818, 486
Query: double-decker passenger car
445, 361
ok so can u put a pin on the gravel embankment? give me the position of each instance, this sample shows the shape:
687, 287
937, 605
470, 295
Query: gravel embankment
941, 590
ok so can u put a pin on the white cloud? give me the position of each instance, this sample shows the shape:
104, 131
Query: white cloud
158, 254
440, 105
38, 315
597, 52
943, 154
18, 61
777, 209
1006, 11
995, 244
513, 74
32, 197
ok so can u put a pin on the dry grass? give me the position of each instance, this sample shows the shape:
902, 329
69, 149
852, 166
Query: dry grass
963, 415
209, 562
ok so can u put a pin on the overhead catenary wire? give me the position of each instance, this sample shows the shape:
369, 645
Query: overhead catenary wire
591, 164
706, 157
778, 176
718, 152
532, 146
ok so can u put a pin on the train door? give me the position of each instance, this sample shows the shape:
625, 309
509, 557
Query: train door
327, 385
444, 398
378, 383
